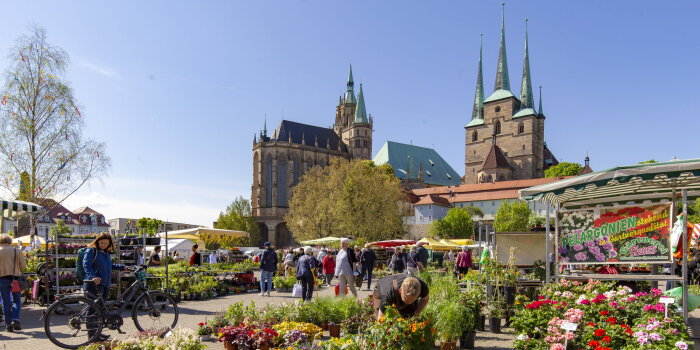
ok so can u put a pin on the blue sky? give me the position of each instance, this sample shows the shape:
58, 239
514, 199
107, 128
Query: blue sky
177, 89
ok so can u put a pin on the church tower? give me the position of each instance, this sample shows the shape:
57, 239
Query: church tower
352, 123
505, 128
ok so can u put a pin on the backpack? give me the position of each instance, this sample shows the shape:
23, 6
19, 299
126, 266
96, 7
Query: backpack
79, 271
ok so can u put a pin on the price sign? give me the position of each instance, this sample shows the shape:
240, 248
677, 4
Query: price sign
569, 326
169, 334
667, 300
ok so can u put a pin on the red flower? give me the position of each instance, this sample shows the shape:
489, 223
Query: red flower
606, 339
593, 343
604, 313
591, 324
611, 320
201, 323
599, 332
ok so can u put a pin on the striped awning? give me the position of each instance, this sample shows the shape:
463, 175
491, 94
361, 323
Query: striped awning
13, 207
622, 185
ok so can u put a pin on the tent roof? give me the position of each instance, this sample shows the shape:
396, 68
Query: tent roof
324, 240
394, 243
632, 183
437, 245
204, 234
9, 207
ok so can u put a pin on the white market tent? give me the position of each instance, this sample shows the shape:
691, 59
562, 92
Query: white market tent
204, 234
625, 185
183, 247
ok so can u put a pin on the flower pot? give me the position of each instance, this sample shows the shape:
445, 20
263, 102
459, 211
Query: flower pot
334, 331
448, 345
495, 324
509, 295
264, 347
324, 326
467, 341
490, 289
230, 346
482, 323
205, 337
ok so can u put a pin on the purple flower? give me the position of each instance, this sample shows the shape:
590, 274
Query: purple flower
600, 257
594, 250
589, 244
565, 260
578, 247
608, 246
563, 250
581, 256
612, 253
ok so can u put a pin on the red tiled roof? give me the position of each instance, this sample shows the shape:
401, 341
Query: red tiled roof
495, 159
586, 170
433, 199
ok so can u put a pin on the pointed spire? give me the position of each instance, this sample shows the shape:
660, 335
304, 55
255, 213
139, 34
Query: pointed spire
478, 112
350, 93
255, 139
502, 79
265, 126
540, 109
360, 112
526, 98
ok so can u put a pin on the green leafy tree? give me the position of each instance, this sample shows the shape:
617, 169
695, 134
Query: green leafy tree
650, 161
238, 216
512, 217
693, 211
59, 228
149, 226
456, 224
563, 169
346, 198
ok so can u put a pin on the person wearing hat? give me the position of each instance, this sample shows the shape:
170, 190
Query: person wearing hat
268, 266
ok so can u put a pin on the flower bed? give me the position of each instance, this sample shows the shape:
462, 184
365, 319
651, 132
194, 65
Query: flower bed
607, 317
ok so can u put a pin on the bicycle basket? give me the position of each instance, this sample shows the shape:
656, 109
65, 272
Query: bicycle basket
141, 275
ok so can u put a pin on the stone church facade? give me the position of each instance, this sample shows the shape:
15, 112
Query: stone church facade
279, 160
505, 138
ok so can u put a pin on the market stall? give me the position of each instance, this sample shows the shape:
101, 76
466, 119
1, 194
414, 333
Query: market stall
322, 241
393, 243
621, 215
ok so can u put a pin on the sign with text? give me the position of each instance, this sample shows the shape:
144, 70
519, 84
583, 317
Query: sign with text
638, 234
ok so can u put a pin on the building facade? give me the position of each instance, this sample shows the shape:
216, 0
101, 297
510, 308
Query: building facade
122, 226
505, 138
83, 220
293, 148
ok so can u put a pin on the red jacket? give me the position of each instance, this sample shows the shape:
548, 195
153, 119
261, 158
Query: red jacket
464, 259
328, 264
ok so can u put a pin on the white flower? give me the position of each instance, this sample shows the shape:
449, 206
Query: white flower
523, 337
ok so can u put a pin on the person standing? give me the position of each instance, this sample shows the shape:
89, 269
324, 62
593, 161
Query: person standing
98, 268
464, 261
268, 266
305, 274
328, 267
154, 259
213, 258
345, 268
367, 259
422, 256
11, 265
411, 264
451, 257
398, 261
196, 258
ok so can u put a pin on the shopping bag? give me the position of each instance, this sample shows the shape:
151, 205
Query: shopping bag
358, 281
296, 291
337, 289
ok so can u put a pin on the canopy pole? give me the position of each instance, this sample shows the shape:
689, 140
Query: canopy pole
167, 286
557, 270
685, 255
546, 227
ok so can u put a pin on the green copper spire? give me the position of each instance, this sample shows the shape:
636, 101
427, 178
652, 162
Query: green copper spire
540, 109
526, 98
360, 112
478, 112
350, 93
502, 79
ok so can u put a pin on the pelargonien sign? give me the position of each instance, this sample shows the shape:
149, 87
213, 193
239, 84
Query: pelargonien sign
628, 235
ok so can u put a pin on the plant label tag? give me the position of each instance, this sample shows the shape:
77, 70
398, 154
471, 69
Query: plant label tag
667, 300
569, 326
169, 334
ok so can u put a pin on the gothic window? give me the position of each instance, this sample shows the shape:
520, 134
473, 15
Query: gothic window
268, 182
282, 182
498, 109
475, 136
296, 171
521, 128
497, 128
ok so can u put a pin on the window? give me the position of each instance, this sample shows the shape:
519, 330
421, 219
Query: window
521, 128
282, 182
497, 128
475, 136
498, 109
523, 147
268, 182
430, 217
430, 206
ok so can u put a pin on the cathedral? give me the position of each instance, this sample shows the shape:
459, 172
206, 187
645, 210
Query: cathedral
505, 138
279, 160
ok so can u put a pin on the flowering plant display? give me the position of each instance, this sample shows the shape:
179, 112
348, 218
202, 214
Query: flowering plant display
264, 336
204, 329
394, 332
608, 317
237, 335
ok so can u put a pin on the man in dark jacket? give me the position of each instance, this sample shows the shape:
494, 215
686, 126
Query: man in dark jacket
268, 266
422, 257
367, 259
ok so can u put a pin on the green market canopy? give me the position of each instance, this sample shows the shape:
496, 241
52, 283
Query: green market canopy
12, 207
653, 182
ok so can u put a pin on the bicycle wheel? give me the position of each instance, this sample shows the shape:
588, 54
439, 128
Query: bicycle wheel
159, 315
72, 322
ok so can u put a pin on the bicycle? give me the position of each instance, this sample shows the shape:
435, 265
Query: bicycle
77, 320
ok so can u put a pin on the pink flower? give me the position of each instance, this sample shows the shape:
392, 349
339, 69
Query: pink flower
558, 346
681, 345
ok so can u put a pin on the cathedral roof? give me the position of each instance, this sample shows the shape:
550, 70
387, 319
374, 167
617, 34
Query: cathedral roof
436, 171
310, 133
495, 159
524, 112
360, 111
499, 95
549, 158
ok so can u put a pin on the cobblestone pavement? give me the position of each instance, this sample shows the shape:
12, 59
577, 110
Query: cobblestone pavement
192, 312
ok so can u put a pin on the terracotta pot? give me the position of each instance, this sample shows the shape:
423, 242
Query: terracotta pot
324, 326
334, 331
230, 346
265, 347
448, 345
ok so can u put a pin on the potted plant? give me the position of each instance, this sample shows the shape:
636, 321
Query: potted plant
204, 331
263, 338
235, 336
334, 330
450, 323
494, 312
510, 277
280, 283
